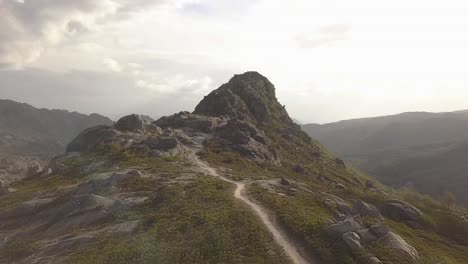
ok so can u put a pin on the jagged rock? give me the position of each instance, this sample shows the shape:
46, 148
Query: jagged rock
246, 96
375, 260
237, 134
90, 138
205, 125
130, 123
238, 137
187, 120
401, 211
394, 241
152, 128
341, 227
365, 209
161, 143
352, 240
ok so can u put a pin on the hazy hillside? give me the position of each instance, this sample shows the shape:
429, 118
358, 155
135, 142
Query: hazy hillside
25, 129
30, 136
235, 181
424, 150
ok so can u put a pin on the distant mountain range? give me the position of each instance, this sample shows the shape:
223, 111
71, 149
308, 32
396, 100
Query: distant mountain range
29, 136
25, 129
427, 151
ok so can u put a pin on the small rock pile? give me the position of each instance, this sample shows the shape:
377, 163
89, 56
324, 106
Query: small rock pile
350, 228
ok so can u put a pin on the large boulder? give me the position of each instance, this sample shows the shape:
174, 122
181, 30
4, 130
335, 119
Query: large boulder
396, 242
90, 138
401, 211
131, 122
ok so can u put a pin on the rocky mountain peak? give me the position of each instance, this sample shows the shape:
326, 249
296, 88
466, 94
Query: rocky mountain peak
248, 96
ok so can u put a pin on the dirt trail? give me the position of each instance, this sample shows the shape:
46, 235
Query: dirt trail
278, 235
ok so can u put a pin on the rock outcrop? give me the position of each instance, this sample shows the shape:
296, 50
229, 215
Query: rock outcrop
130, 123
351, 230
249, 96
396, 242
92, 137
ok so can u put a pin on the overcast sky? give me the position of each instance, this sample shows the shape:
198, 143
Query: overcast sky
329, 59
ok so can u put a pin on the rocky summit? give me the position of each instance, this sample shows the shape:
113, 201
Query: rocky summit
234, 181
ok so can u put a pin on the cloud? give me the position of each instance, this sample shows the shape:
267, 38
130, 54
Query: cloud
29, 27
112, 64
109, 92
325, 36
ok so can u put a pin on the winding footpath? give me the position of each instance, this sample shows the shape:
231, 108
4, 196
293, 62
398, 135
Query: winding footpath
288, 247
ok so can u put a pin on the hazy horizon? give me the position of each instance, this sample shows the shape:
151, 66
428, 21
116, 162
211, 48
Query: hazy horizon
329, 61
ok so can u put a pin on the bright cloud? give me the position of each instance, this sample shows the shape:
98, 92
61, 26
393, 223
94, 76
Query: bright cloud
329, 59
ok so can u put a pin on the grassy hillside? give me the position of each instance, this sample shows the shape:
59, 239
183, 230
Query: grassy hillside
425, 151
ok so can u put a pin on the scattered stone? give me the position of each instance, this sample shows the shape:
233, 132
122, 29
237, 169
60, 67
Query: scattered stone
298, 169
285, 181
340, 186
370, 184
135, 173
340, 162
365, 209
293, 191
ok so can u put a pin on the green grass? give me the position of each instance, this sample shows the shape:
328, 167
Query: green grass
27, 189
196, 223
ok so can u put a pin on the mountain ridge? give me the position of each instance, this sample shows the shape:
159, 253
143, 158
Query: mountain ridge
381, 145
139, 191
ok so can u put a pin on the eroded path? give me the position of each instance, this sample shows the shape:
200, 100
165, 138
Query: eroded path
279, 236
